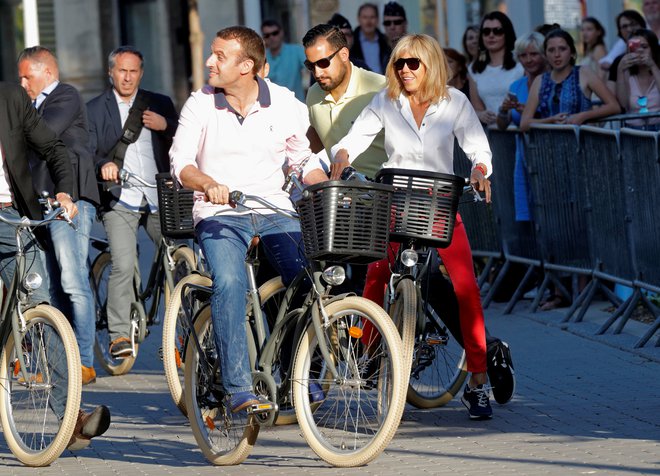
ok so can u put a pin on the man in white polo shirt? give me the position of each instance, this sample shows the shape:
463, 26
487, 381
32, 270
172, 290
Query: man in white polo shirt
236, 134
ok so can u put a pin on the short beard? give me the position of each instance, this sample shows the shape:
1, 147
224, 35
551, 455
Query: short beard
334, 83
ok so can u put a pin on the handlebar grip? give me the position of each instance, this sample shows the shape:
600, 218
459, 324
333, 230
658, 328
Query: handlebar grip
236, 197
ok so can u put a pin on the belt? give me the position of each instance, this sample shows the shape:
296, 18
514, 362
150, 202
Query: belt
6, 205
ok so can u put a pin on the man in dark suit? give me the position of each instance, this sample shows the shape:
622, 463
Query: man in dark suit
133, 129
370, 44
21, 127
63, 109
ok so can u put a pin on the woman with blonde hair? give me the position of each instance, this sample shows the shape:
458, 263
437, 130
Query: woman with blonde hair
421, 116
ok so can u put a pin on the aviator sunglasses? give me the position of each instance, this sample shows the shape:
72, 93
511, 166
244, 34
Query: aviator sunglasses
393, 22
323, 63
271, 33
413, 63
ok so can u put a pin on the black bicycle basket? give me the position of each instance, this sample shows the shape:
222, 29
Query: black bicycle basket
424, 205
345, 221
175, 208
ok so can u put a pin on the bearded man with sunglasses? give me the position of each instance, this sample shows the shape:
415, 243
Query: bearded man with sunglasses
341, 92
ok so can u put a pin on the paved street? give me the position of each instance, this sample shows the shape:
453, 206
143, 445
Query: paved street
583, 406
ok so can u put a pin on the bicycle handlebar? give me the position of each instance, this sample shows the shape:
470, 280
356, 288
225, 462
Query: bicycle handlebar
126, 175
25, 222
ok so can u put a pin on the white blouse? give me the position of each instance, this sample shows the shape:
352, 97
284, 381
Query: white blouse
493, 84
429, 147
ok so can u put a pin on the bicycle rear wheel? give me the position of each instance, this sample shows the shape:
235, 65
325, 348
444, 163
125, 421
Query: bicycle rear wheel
439, 366
100, 276
176, 331
404, 315
362, 408
33, 431
225, 438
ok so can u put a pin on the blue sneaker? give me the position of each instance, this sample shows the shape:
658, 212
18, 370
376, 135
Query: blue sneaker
316, 393
241, 400
477, 401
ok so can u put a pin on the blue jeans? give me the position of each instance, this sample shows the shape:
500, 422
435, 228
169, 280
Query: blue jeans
224, 241
71, 293
34, 264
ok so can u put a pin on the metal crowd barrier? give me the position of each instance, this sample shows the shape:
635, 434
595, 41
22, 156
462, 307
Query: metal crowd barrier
556, 182
479, 222
519, 243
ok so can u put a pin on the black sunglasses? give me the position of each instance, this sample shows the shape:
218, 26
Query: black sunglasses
272, 33
322, 63
499, 31
413, 63
393, 22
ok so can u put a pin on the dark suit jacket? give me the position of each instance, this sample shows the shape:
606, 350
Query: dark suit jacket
20, 128
105, 130
65, 113
385, 50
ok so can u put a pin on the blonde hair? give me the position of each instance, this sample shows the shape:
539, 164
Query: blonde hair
427, 49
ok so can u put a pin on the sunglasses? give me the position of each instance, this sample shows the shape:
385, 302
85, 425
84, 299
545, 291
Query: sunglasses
499, 31
272, 33
323, 63
393, 22
643, 103
413, 63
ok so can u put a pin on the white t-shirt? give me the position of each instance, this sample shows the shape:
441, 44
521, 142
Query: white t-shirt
493, 84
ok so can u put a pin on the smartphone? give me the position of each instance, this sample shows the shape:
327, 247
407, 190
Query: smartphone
634, 44
512, 97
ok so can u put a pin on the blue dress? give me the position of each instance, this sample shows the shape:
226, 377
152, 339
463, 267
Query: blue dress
521, 192
566, 96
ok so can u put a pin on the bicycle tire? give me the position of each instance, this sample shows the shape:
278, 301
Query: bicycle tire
340, 443
225, 438
404, 315
439, 365
175, 337
38, 441
185, 262
100, 274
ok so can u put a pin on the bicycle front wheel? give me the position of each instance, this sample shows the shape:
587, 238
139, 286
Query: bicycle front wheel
184, 264
39, 404
439, 366
178, 315
360, 410
225, 438
100, 276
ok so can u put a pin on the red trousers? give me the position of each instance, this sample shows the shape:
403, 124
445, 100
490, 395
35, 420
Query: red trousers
457, 258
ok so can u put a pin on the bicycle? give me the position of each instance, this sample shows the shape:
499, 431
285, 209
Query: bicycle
171, 261
347, 389
39, 365
424, 207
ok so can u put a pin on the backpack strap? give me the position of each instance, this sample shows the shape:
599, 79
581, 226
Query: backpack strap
131, 130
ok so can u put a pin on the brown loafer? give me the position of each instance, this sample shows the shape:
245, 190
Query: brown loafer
88, 426
88, 375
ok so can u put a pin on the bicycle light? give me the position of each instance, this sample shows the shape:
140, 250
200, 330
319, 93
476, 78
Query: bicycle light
334, 275
409, 258
32, 281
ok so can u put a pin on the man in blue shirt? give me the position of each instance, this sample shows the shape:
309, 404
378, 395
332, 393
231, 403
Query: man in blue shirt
286, 60
370, 44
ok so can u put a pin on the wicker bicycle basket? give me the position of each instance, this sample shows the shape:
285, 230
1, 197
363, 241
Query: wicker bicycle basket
424, 205
175, 208
345, 221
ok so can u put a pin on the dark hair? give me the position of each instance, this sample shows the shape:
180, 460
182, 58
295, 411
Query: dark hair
252, 46
652, 40
509, 41
271, 22
340, 22
368, 5
330, 33
470, 28
393, 9
120, 51
599, 39
559, 33
545, 28
633, 15
460, 60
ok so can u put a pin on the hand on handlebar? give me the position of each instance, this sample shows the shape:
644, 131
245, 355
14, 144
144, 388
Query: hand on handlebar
339, 163
217, 194
481, 183
70, 208
110, 171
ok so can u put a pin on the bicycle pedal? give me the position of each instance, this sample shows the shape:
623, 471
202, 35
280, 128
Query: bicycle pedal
160, 353
261, 407
435, 339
